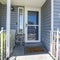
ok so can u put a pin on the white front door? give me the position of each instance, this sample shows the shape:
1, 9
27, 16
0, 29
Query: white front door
32, 26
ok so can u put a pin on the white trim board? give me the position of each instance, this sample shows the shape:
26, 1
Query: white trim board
18, 18
8, 28
52, 23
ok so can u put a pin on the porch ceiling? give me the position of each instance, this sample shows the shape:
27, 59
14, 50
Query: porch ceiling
34, 3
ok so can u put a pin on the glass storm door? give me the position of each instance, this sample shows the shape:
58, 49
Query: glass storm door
32, 26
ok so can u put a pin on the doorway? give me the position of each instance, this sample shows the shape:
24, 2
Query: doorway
32, 25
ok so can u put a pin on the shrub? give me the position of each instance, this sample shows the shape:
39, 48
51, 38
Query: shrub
4, 44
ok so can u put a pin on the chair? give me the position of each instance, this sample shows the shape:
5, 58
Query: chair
19, 39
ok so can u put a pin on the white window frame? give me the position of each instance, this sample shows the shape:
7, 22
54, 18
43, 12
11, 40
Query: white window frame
26, 18
18, 19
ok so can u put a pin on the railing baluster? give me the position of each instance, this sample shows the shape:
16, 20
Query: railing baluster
54, 43
57, 44
51, 43
2, 43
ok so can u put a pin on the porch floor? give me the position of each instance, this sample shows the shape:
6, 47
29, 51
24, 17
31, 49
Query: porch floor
18, 54
32, 57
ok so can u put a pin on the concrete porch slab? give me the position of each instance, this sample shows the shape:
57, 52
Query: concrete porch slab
32, 57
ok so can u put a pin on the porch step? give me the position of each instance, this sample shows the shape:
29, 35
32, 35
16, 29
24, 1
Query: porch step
32, 57
33, 44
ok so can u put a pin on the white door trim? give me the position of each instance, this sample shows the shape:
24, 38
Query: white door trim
26, 16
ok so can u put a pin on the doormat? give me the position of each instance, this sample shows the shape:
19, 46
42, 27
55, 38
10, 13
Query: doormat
34, 49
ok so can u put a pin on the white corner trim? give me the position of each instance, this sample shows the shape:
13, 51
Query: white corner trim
52, 24
52, 17
8, 28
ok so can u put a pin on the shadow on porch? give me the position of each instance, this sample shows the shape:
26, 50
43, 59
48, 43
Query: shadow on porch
20, 53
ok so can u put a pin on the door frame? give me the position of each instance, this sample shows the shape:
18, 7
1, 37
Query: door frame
26, 18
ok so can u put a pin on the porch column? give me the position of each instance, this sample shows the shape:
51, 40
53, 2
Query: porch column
8, 28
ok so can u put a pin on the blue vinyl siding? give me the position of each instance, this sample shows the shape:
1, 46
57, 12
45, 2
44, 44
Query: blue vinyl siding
2, 16
46, 23
14, 17
56, 14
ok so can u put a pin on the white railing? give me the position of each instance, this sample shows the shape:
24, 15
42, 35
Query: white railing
2, 51
54, 40
1, 37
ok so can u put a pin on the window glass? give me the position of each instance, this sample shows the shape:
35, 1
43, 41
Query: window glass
21, 21
32, 32
32, 18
